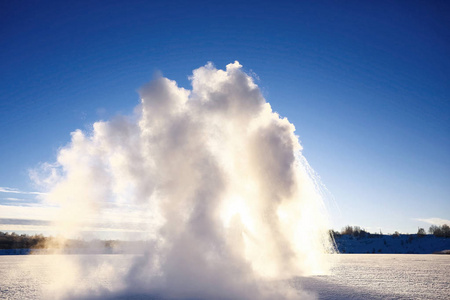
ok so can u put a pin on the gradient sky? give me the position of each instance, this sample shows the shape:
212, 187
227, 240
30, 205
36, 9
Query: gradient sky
366, 83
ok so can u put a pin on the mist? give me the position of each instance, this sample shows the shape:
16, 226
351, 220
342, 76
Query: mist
211, 178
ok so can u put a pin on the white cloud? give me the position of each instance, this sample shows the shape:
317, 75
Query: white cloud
16, 191
14, 199
435, 221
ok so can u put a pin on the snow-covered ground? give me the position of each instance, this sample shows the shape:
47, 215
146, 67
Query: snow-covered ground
354, 276
383, 276
404, 243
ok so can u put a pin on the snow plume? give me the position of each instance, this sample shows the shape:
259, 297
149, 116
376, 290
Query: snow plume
213, 179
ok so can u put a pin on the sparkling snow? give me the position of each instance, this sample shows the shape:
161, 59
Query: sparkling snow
354, 276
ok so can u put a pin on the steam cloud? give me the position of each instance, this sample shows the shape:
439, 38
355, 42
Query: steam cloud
212, 178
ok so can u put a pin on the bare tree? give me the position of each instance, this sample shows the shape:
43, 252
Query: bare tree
421, 232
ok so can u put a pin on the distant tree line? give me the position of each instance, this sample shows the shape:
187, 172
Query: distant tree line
38, 241
440, 231
23, 241
355, 231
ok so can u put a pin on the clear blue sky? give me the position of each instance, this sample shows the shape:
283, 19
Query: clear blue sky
366, 83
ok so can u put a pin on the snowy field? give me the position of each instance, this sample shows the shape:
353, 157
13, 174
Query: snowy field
354, 276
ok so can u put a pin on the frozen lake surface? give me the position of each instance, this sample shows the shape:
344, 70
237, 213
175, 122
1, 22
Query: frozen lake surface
354, 276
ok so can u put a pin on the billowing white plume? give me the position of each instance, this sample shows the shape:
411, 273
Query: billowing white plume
212, 178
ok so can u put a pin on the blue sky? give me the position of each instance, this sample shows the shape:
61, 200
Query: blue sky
367, 85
